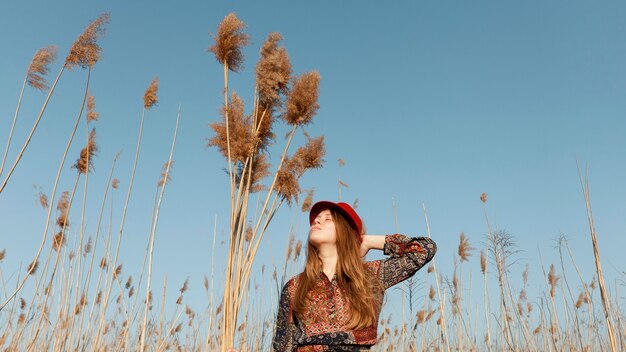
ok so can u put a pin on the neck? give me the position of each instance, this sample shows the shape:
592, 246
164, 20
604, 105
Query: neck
328, 256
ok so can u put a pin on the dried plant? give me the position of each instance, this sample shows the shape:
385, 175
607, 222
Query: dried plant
85, 162
150, 96
236, 133
3, 254
166, 174
273, 73
483, 197
43, 200
464, 248
308, 200
115, 183
229, 41
63, 208
39, 67
92, 114
553, 280
85, 52
302, 103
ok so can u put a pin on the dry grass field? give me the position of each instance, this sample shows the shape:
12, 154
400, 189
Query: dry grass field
82, 300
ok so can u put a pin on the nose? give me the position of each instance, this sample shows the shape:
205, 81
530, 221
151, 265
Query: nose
317, 221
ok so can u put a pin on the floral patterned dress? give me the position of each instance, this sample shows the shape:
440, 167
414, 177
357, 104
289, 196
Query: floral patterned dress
323, 325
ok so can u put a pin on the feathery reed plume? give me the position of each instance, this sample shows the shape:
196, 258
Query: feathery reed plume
117, 271
302, 99
553, 280
341, 162
3, 254
150, 96
431, 293
98, 297
430, 269
32, 267
103, 263
249, 233
464, 248
166, 174
87, 248
115, 183
39, 67
483, 197
85, 162
185, 286
239, 131
86, 51
297, 249
483, 262
583, 298
131, 291
273, 71
229, 41
129, 282
22, 303
43, 200
308, 201
58, 240
92, 114
63, 208
310, 156
206, 283
287, 185
81, 303
355, 204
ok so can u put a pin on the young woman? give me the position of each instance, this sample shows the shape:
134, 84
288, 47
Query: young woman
335, 303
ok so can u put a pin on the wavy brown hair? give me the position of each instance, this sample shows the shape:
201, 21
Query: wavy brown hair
358, 284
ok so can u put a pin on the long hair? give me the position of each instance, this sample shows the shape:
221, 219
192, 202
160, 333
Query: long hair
358, 284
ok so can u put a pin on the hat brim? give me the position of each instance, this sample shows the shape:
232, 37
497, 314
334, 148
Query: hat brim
323, 205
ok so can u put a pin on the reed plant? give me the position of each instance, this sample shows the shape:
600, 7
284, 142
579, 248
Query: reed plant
75, 293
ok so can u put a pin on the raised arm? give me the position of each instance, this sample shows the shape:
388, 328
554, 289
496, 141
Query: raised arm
406, 255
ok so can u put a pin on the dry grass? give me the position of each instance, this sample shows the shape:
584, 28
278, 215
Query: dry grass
81, 298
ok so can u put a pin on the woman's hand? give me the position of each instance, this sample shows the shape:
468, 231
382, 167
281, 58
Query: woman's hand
364, 246
371, 242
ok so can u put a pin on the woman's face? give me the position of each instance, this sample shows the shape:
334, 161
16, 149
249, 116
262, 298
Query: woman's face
323, 229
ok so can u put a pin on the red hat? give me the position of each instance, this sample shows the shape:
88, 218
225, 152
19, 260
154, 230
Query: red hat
342, 208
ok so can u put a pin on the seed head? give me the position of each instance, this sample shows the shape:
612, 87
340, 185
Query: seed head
308, 201
483, 197
115, 183
39, 67
229, 41
128, 282
85, 162
273, 71
32, 267
86, 51
150, 96
310, 156
63, 207
185, 286
43, 200
464, 248
3, 254
58, 240
553, 280
166, 174
239, 134
287, 185
302, 99
483, 262
92, 114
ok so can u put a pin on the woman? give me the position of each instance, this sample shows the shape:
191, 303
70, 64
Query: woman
335, 303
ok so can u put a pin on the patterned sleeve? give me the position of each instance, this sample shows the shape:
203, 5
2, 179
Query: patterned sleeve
407, 256
284, 335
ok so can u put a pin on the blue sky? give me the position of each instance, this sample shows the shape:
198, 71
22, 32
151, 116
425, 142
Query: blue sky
428, 102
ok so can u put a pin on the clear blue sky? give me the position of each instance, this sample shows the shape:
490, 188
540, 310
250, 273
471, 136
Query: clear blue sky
428, 102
